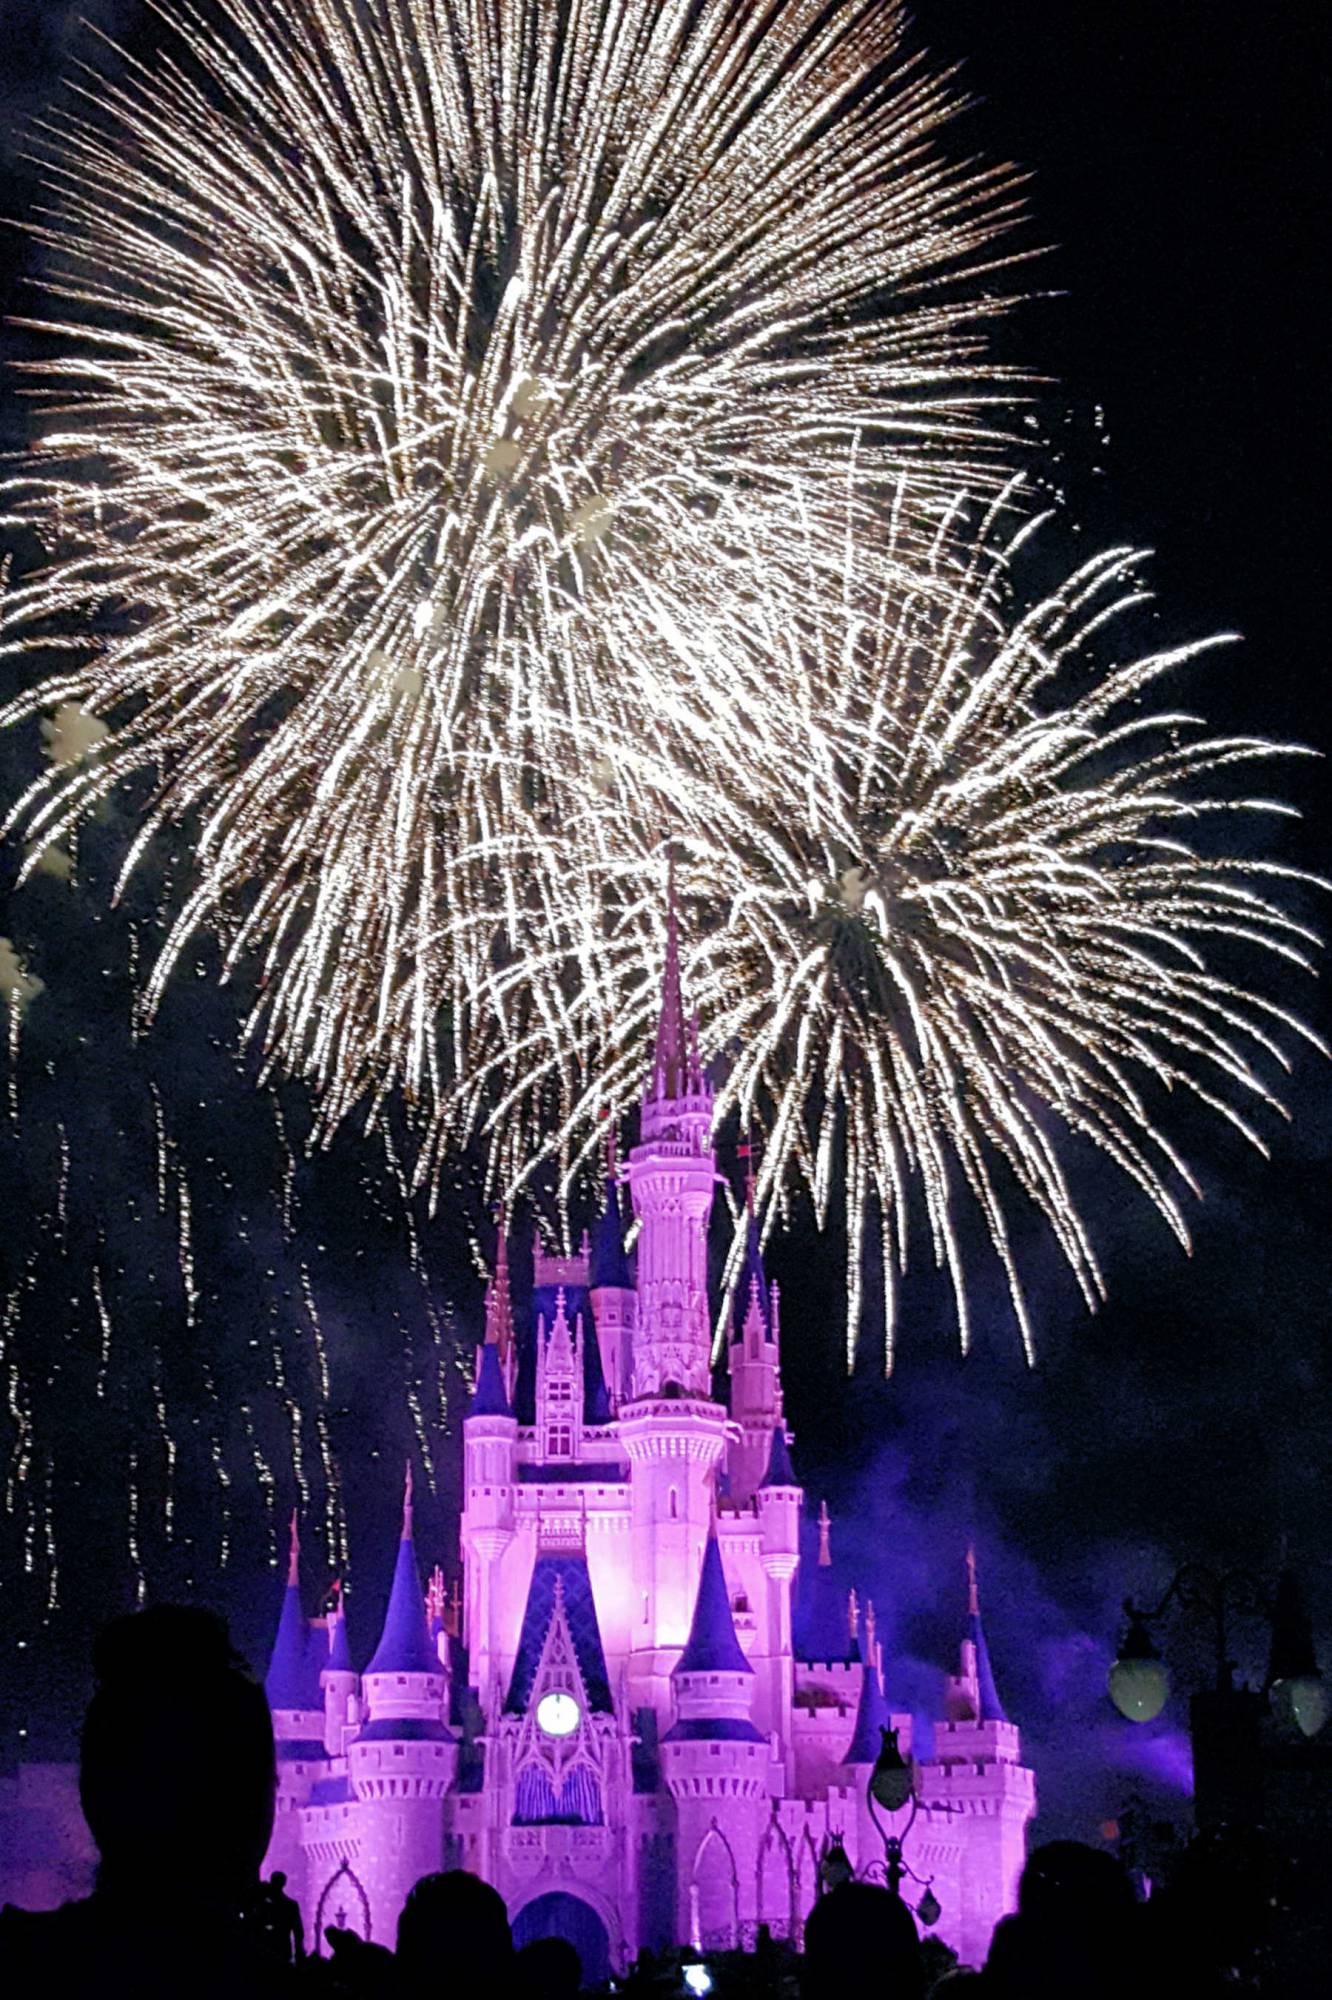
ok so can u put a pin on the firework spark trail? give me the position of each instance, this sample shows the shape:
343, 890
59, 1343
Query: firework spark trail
398, 342
981, 914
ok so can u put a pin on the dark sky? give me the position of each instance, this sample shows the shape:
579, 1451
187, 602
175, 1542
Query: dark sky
1180, 179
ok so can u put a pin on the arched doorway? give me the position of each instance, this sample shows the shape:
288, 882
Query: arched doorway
562, 1916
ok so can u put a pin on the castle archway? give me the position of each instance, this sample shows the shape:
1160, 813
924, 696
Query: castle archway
561, 1915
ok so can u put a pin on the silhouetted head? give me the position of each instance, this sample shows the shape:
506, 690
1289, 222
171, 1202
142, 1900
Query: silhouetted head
861, 1938
278, 1880
454, 1920
549, 1969
1069, 1887
177, 1774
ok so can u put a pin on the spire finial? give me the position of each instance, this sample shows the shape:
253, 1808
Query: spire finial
499, 1299
610, 1146
294, 1555
746, 1152
407, 1504
973, 1593
670, 1057
825, 1536
853, 1611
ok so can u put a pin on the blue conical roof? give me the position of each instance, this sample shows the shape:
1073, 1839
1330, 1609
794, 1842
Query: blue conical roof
489, 1398
991, 1708
751, 1273
292, 1680
404, 1644
609, 1265
823, 1624
871, 1715
596, 1400
712, 1647
780, 1471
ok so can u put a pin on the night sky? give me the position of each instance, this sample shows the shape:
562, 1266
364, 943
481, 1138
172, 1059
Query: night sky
1179, 175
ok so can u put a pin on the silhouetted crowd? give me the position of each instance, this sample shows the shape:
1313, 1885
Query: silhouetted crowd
178, 1783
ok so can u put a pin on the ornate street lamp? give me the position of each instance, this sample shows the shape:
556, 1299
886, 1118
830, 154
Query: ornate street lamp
892, 1785
1139, 1683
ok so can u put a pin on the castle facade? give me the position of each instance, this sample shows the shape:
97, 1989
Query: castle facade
645, 1725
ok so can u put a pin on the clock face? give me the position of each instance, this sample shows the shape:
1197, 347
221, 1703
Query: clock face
557, 1714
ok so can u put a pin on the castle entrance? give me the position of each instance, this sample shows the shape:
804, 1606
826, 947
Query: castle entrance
563, 1916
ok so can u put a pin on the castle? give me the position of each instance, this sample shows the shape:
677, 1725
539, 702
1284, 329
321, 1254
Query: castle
648, 1728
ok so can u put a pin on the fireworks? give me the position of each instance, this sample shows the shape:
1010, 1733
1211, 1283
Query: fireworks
488, 438
399, 344
958, 900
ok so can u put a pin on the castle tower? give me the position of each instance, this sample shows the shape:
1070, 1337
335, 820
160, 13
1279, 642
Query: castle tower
490, 1447
755, 1367
716, 1765
499, 1310
671, 1175
778, 1502
614, 1301
296, 1699
672, 1430
977, 1772
338, 1679
402, 1761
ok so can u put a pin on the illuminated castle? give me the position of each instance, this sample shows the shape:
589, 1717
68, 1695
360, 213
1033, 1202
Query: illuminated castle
644, 1726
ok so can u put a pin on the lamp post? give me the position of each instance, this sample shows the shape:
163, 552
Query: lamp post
1139, 1682
891, 1786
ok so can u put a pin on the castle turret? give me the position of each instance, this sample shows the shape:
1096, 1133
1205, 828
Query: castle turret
338, 1679
671, 1176
977, 1771
778, 1502
673, 1431
401, 1763
297, 1702
716, 1765
490, 1472
755, 1364
614, 1301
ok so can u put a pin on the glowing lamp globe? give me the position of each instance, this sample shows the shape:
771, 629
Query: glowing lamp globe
1299, 1704
890, 1780
557, 1714
1138, 1681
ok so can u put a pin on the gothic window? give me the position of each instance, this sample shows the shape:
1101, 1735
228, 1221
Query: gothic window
778, 1905
714, 1894
344, 1903
559, 1441
675, 1504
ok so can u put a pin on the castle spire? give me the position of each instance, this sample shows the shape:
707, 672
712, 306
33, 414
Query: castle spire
292, 1680
499, 1298
404, 1644
608, 1265
825, 1536
339, 1654
872, 1716
712, 1647
989, 1708
669, 1060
